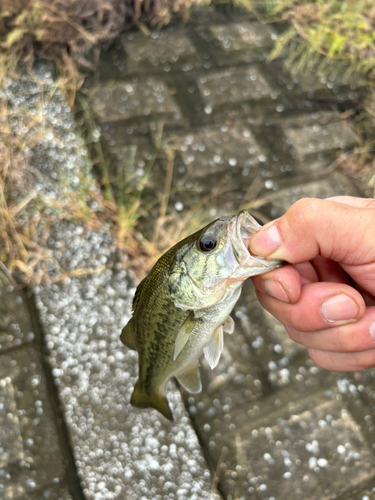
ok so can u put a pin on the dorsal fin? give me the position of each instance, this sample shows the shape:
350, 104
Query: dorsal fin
214, 348
184, 333
127, 336
190, 378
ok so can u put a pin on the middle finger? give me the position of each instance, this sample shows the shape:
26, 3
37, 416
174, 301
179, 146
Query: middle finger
354, 337
320, 306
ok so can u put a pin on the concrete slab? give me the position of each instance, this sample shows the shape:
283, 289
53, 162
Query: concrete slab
233, 85
30, 457
124, 100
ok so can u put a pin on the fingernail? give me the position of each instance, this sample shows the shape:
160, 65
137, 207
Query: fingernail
276, 290
372, 330
266, 241
339, 308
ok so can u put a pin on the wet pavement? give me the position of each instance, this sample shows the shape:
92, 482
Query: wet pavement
268, 424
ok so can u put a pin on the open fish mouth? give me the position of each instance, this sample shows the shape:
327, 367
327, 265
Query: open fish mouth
241, 229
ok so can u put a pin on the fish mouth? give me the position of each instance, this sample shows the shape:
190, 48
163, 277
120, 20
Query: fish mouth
241, 229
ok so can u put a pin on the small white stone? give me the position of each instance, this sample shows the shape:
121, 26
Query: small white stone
312, 462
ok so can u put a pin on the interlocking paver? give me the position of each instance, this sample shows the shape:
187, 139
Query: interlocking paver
313, 134
244, 36
319, 446
165, 48
10, 436
30, 456
233, 85
145, 98
15, 325
335, 184
219, 150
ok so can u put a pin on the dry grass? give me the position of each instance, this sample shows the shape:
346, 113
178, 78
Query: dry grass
26, 214
72, 32
335, 39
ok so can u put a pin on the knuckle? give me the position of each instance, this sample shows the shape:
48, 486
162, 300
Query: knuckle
344, 343
295, 335
297, 319
350, 338
325, 359
305, 209
315, 356
364, 360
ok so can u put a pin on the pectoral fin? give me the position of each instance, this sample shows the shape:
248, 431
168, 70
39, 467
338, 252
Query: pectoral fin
183, 334
191, 379
127, 336
228, 325
214, 348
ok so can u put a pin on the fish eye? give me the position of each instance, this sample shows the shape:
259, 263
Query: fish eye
207, 243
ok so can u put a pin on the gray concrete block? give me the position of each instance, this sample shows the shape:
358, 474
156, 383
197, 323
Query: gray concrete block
15, 323
57, 491
219, 150
10, 437
318, 448
331, 79
30, 455
318, 132
335, 184
120, 450
233, 85
143, 98
244, 36
160, 49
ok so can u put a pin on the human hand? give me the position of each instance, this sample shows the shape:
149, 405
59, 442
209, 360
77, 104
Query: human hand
326, 299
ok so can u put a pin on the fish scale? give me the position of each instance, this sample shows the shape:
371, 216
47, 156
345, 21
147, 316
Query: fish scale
180, 308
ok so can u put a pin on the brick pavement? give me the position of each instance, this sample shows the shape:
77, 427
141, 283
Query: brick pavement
270, 424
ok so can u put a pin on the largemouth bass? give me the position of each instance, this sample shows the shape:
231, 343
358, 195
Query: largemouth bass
182, 307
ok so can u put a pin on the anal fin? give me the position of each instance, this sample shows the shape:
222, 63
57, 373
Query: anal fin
127, 336
214, 348
228, 325
190, 379
141, 399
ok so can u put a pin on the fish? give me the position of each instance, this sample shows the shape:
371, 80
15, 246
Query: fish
181, 309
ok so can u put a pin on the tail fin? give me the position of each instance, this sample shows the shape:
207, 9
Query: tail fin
141, 399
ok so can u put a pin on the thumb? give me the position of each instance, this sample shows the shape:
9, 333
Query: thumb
333, 229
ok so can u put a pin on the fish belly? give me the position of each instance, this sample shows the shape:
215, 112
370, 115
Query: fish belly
208, 321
